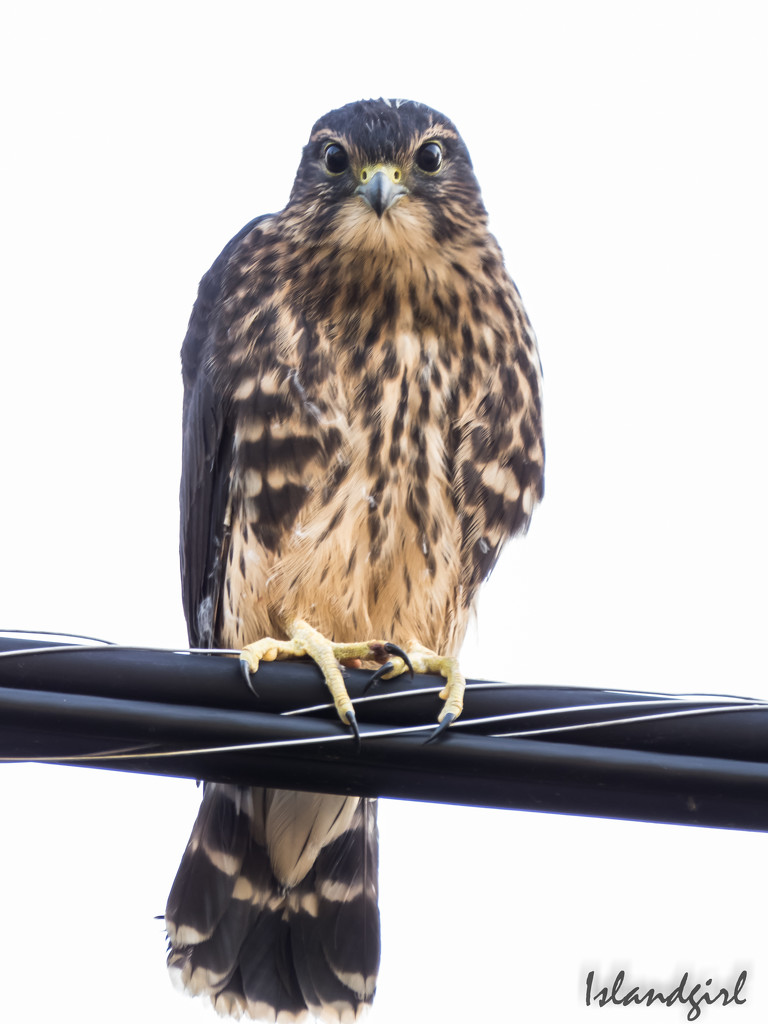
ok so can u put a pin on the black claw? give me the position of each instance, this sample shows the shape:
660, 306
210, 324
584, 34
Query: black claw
245, 669
381, 671
447, 719
394, 649
352, 719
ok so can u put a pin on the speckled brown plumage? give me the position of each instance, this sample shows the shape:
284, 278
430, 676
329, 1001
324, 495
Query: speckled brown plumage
362, 413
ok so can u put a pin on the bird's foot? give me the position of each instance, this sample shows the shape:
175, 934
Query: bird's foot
306, 641
423, 660
447, 666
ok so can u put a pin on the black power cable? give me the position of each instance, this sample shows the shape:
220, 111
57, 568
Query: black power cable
698, 759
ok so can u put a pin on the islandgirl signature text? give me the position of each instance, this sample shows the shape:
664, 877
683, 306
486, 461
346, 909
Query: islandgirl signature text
621, 993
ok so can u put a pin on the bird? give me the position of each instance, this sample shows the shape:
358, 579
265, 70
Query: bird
362, 434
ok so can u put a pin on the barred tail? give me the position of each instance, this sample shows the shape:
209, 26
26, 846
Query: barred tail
274, 910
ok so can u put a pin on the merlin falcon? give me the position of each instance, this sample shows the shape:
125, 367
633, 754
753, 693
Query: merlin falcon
362, 435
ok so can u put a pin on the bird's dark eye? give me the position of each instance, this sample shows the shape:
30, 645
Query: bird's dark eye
430, 157
336, 159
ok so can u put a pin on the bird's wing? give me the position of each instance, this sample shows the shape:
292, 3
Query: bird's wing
207, 452
498, 454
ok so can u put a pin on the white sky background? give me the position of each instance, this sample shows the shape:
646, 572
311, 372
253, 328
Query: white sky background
622, 152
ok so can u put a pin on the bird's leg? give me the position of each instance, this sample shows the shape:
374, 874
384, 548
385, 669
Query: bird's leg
306, 641
424, 660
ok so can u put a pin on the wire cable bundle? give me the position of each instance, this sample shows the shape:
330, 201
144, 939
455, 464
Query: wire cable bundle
692, 759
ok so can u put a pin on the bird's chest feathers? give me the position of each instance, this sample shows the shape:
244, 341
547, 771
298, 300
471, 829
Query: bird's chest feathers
365, 442
399, 435
350, 491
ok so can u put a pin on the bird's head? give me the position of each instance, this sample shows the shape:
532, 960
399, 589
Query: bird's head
383, 174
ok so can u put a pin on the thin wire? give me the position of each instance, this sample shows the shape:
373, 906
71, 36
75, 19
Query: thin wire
209, 650
229, 748
109, 643
630, 721
63, 648
543, 712
55, 632
365, 699
663, 700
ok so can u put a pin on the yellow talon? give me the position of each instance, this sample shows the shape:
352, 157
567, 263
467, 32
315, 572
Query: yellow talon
304, 640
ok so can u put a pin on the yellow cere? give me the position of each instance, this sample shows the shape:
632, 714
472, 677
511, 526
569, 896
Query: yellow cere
392, 171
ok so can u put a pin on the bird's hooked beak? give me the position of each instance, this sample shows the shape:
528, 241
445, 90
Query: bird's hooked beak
380, 186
